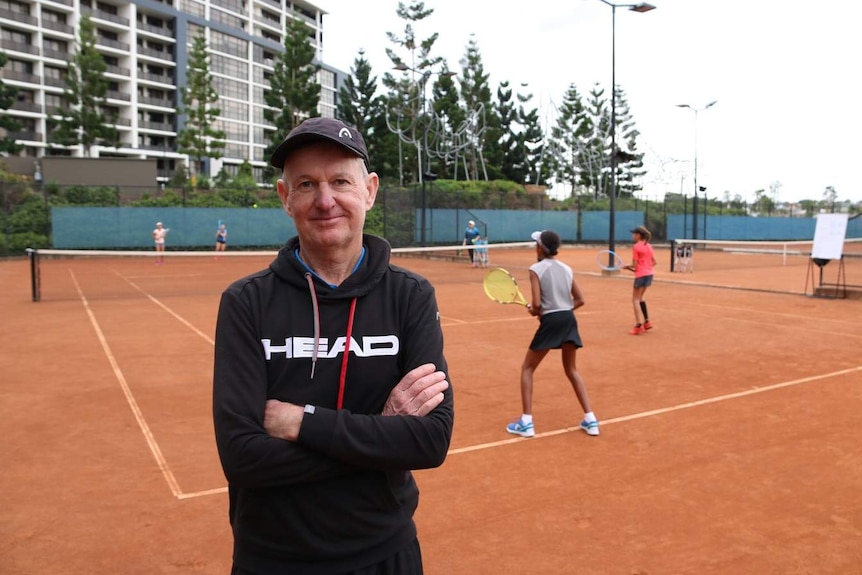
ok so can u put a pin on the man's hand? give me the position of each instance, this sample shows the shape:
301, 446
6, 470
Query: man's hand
418, 392
282, 419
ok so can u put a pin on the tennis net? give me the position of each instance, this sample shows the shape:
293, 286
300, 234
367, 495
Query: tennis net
117, 274
688, 255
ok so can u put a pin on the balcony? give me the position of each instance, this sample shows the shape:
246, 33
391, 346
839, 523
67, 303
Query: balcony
151, 101
125, 122
160, 78
63, 2
160, 54
25, 135
117, 95
105, 16
161, 31
58, 27
111, 43
20, 47
19, 76
156, 148
118, 70
26, 107
54, 82
55, 54
161, 126
18, 17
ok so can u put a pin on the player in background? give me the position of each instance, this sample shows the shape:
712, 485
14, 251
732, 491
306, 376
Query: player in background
159, 235
643, 262
221, 240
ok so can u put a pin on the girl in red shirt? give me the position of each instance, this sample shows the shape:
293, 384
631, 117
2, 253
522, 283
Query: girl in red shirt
643, 261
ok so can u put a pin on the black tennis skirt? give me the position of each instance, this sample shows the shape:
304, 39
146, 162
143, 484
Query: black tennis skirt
555, 329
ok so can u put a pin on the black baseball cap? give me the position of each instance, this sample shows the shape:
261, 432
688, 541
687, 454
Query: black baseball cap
327, 129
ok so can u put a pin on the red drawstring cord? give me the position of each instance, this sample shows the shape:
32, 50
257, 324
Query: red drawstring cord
343, 377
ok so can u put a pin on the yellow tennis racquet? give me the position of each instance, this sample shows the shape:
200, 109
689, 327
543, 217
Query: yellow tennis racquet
501, 287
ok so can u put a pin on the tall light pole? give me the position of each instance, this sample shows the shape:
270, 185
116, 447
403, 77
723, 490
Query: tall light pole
695, 110
640, 7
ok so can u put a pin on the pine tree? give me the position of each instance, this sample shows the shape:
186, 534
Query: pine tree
407, 93
596, 146
360, 106
84, 122
533, 140
8, 95
446, 103
573, 158
629, 161
198, 138
512, 153
294, 91
476, 97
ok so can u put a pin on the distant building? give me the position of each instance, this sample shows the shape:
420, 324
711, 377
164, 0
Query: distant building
146, 46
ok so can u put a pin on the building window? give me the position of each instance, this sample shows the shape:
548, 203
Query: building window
20, 66
16, 7
51, 16
228, 66
16, 36
228, 44
192, 7
227, 19
230, 88
55, 73
233, 110
107, 8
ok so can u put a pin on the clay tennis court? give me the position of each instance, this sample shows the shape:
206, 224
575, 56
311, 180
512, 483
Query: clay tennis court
729, 439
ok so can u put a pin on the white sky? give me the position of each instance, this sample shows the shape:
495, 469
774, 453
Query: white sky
785, 73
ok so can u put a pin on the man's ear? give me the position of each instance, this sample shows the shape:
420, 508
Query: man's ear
283, 193
372, 183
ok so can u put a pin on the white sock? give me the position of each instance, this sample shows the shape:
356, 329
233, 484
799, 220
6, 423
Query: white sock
527, 418
590, 416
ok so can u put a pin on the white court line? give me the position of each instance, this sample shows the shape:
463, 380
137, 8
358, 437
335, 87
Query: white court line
613, 420
605, 422
136, 410
182, 320
663, 410
204, 493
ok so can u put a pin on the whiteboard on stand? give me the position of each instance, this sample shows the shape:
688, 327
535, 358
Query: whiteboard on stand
829, 233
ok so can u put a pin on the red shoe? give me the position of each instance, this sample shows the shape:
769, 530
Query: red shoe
637, 330
647, 325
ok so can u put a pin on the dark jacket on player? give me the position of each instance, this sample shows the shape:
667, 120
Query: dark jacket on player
342, 496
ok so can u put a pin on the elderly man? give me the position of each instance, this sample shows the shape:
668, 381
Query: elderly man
330, 383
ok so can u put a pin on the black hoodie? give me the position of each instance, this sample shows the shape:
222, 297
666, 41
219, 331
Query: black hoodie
342, 496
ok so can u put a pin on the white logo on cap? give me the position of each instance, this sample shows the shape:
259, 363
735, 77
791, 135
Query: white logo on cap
345, 132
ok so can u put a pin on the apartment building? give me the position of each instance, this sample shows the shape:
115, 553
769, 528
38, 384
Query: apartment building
146, 46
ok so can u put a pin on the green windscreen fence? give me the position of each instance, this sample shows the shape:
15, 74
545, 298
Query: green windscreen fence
105, 228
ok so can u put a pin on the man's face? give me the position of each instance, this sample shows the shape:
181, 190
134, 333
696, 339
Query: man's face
326, 190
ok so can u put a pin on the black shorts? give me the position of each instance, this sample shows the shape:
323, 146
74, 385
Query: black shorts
555, 329
407, 561
643, 281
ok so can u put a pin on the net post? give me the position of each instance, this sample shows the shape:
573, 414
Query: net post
35, 288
